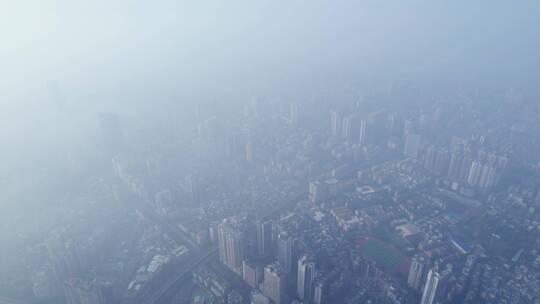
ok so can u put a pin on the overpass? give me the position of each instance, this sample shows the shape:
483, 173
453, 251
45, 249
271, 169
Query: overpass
168, 289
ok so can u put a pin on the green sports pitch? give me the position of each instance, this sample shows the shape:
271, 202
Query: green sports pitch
383, 254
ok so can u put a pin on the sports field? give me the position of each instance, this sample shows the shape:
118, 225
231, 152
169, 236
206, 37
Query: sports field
383, 254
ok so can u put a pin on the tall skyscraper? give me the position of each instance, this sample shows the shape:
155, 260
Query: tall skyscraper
249, 152
482, 175
305, 279
412, 145
436, 160
251, 273
394, 125
363, 139
274, 283
475, 173
436, 287
293, 113
319, 293
390, 124
335, 123
488, 176
264, 238
231, 246
349, 126
429, 158
317, 191
441, 161
285, 252
460, 165
417, 272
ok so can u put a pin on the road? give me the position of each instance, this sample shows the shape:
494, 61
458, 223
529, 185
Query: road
167, 227
167, 289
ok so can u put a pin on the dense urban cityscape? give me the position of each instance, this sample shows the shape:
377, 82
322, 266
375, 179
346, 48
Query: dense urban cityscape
269, 152
368, 200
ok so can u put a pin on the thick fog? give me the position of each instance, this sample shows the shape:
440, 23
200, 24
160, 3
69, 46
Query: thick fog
64, 62
121, 52
138, 55
108, 55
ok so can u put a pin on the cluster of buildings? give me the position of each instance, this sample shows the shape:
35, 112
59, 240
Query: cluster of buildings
392, 178
351, 202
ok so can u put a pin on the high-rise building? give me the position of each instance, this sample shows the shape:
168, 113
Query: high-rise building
231, 246
460, 165
412, 145
394, 125
335, 123
482, 175
274, 283
475, 173
251, 273
488, 176
436, 160
285, 252
429, 158
349, 126
318, 191
417, 272
441, 162
319, 293
436, 287
363, 139
346, 126
249, 152
305, 279
293, 113
390, 124
264, 238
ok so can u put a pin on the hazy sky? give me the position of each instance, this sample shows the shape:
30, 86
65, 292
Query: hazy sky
106, 53
133, 55
118, 55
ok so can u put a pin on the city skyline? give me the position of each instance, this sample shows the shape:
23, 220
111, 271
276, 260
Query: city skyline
269, 152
